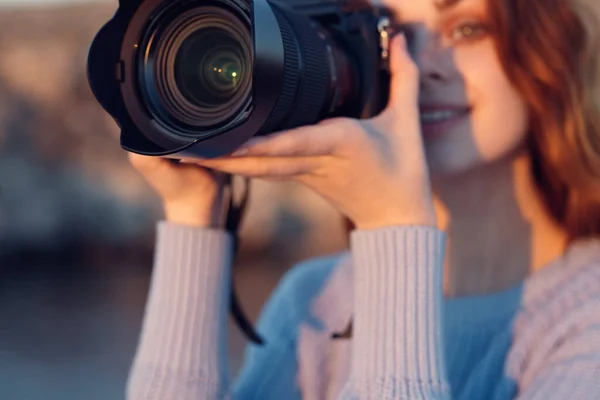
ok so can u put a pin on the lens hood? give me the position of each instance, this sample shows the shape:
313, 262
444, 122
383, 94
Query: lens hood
113, 74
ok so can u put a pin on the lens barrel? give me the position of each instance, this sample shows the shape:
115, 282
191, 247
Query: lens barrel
196, 66
320, 78
197, 79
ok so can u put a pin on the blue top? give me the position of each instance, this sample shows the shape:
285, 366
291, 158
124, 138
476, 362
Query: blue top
538, 340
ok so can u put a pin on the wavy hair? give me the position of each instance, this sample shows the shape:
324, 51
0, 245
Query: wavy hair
550, 50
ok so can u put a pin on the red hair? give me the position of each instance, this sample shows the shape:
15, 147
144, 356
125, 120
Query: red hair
550, 50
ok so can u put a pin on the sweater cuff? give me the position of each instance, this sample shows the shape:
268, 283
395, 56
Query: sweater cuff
397, 341
185, 324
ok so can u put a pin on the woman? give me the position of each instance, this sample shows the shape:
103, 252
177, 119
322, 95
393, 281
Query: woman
474, 268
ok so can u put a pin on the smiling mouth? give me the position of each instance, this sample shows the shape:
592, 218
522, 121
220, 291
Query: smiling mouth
441, 116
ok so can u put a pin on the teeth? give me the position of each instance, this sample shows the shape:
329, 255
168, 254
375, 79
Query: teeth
439, 116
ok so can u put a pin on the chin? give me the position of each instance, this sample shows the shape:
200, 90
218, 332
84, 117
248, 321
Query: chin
452, 155
452, 163
460, 151
448, 167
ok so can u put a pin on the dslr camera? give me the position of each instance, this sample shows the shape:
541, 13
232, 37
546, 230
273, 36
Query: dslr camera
189, 79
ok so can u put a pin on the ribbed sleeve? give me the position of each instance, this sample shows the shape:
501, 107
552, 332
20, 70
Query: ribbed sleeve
182, 351
397, 348
499, 346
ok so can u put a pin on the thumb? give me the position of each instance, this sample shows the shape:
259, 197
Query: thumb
404, 82
401, 117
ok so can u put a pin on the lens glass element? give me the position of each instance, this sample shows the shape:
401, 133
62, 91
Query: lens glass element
196, 73
210, 67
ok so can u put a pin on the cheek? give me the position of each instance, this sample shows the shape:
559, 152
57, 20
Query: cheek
499, 119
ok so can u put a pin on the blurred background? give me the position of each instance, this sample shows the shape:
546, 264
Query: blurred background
77, 223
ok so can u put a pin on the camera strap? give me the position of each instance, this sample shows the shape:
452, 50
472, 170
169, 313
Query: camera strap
235, 214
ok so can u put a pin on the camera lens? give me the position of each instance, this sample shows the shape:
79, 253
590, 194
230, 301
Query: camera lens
196, 73
209, 68
207, 75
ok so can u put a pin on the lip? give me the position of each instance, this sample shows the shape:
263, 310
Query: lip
435, 129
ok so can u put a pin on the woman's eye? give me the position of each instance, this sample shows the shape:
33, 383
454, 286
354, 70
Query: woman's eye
468, 31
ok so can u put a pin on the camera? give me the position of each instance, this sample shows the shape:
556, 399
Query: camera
198, 78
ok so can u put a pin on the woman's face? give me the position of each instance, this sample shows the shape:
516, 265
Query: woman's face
470, 113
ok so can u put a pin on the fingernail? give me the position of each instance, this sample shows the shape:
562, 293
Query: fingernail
242, 151
402, 39
254, 141
245, 148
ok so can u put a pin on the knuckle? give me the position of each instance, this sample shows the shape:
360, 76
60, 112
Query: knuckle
349, 124
331, 121
350, 135
286, 145
145, 163
137, 160
349, 128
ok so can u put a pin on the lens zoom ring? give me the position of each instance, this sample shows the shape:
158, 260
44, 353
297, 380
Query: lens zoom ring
291, 76
315, 81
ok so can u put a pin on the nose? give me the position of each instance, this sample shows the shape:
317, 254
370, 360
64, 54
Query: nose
434, 60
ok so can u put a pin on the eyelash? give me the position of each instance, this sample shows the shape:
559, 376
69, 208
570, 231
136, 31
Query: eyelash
477, 30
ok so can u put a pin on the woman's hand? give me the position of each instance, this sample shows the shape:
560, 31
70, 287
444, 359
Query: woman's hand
373, 171
191, 195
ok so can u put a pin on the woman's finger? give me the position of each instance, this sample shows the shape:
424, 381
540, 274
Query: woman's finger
402, 106
264, 167
151, 166
308, 141
401, 119
404, 84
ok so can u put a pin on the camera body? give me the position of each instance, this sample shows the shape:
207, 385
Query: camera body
301, 61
